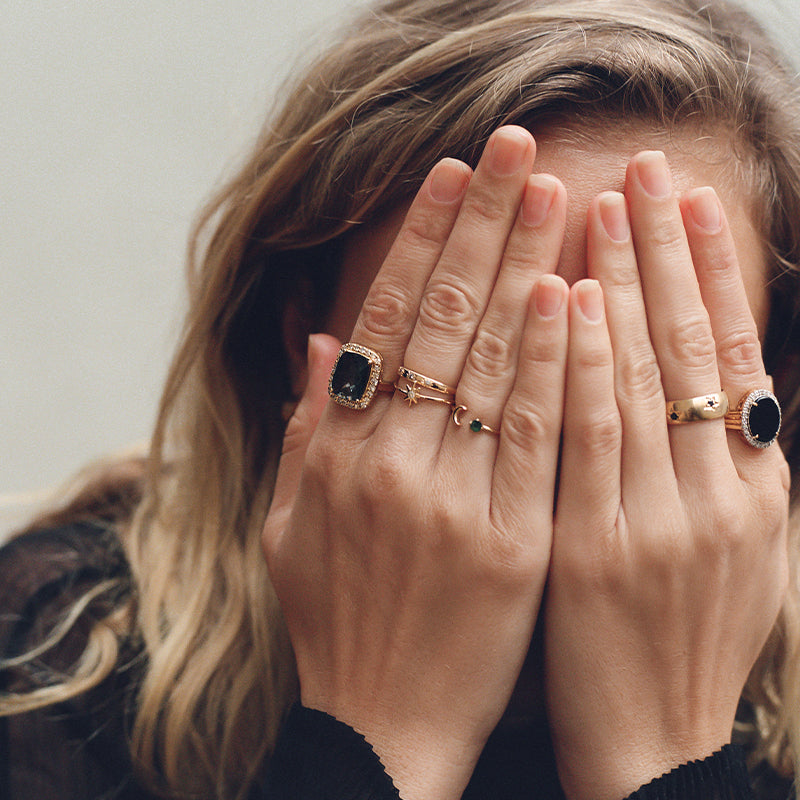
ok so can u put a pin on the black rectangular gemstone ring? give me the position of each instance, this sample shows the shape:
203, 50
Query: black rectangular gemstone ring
356, 376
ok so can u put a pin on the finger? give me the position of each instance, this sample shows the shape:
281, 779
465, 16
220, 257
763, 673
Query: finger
590, 490
525, 470
533, 248
322, 350
679, 325
735, 332
458, 291
611, 260
391, 306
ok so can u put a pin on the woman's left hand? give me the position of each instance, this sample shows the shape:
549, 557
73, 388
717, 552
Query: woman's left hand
669, 559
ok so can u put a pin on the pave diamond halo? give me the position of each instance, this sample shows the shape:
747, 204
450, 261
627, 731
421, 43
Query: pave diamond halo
757, 418
355, 376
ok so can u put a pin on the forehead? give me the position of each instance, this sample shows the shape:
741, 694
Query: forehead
590, 161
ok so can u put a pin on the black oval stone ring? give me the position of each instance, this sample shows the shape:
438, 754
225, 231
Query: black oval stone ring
356, 376
757, 418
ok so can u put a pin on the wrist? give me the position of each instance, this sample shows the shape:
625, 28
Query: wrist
424, 761
612, 773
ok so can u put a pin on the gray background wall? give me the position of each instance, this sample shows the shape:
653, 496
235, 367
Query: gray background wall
116, 120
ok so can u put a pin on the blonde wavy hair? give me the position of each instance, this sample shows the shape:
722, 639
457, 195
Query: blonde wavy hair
410, 81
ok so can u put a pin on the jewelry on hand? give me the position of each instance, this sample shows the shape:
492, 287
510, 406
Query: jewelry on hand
421, 380
757, 418
697, 409
475, 425
412, 393
356, 376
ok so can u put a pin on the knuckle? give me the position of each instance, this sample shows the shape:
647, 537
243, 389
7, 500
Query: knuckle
666, 236
739, 351
517, 260
507, 562
597, 437
383, 471
296, 434
691, 341
592, 359
386, 311
445, 306
773, 506
323, 461
525, 424
541, 352
726, 530
625, 279
785, 477
383, 478
422, 233
485, 209
640, 374
449, 530
490, 354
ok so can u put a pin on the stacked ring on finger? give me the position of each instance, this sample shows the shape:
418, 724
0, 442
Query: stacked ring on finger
697, 409
422, 380
356, 376
757, 418
410, 384
475, 425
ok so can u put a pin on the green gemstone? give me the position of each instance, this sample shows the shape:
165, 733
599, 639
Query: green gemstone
476, 426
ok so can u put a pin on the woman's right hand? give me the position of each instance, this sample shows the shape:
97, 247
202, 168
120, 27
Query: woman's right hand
410, 554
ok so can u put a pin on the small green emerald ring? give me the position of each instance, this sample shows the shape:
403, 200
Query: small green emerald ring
475, 425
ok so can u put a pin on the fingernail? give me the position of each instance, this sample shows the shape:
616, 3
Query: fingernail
705, 209
614, 216
590, 299
507, 150
538, 199
449, 178
651, 169
550, 292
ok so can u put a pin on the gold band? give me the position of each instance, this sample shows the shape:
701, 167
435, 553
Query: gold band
422, 380
697, 409
475, 425
412, 393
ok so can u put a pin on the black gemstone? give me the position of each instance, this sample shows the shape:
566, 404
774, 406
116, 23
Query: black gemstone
351, 376
764, 419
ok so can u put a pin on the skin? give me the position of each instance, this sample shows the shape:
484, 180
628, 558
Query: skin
412, 556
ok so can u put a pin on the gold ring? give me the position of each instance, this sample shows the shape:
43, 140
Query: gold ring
697, 409
422, 380
356, 376
412, 393
475, 425
757, 418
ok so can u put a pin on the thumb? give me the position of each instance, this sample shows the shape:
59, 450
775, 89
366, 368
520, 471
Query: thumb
322, 352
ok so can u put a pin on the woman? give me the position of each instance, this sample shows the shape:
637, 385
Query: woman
472, 162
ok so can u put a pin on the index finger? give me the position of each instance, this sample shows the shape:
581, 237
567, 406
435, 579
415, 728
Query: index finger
391, 306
